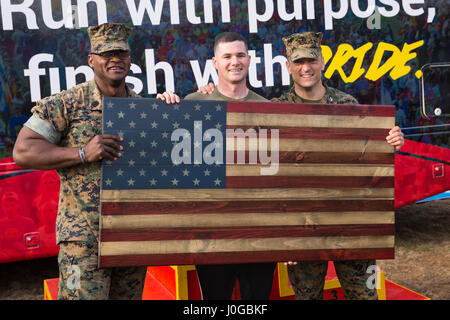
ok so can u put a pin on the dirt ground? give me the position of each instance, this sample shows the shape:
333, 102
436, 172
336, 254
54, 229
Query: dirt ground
422, 249
421, 258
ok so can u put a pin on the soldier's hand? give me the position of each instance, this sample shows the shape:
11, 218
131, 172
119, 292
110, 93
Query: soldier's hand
169, 97
396, 138
290, 263
207, 89
103, 146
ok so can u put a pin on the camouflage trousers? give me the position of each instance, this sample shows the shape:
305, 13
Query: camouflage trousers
308, 279
81, 279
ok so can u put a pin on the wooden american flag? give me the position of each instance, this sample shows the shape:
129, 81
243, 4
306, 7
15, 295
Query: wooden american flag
331, 198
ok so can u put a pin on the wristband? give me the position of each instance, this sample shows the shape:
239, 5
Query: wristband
82, 156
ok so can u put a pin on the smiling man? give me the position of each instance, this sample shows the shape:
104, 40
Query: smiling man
232, 61
65, 133
305, 63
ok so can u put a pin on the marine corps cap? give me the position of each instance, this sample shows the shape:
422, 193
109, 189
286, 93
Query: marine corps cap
108, 37
303, 45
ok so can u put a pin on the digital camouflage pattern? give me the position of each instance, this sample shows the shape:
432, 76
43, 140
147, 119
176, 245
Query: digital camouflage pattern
108, 37
308, 279
75, 116
72, 118
80, 278
303, 45
332, 95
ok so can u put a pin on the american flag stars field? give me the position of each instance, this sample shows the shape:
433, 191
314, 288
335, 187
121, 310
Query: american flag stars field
150, 158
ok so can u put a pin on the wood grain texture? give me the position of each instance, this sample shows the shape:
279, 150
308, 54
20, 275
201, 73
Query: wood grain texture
231, 207
312, 133
247, 244
321, 157
310, 145
247, 194
359, 110
328, 170
307, 120
192, 233
213, 220
308, 182
330, 195
254, 256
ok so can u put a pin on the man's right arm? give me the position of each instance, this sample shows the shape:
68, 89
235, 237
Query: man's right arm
32, 150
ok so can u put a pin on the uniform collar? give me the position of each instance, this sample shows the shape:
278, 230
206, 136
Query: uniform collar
95, 96
326, 98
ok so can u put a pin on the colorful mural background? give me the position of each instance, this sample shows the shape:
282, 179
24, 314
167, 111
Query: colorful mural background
161, 46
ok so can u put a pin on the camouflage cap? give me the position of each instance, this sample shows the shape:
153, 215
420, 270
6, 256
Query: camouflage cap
108, 37
303, 45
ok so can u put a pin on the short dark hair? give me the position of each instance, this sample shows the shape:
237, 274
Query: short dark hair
229, 37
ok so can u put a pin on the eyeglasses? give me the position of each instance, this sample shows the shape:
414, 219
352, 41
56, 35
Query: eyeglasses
123, 55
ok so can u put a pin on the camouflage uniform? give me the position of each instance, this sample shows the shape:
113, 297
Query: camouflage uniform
303, 45
332, 96
308, 277
71, 119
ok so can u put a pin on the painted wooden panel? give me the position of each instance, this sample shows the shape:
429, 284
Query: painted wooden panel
329, 195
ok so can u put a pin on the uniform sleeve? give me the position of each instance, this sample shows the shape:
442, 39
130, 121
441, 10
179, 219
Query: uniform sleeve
349, 100
49, 118
342, 97
282, 98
